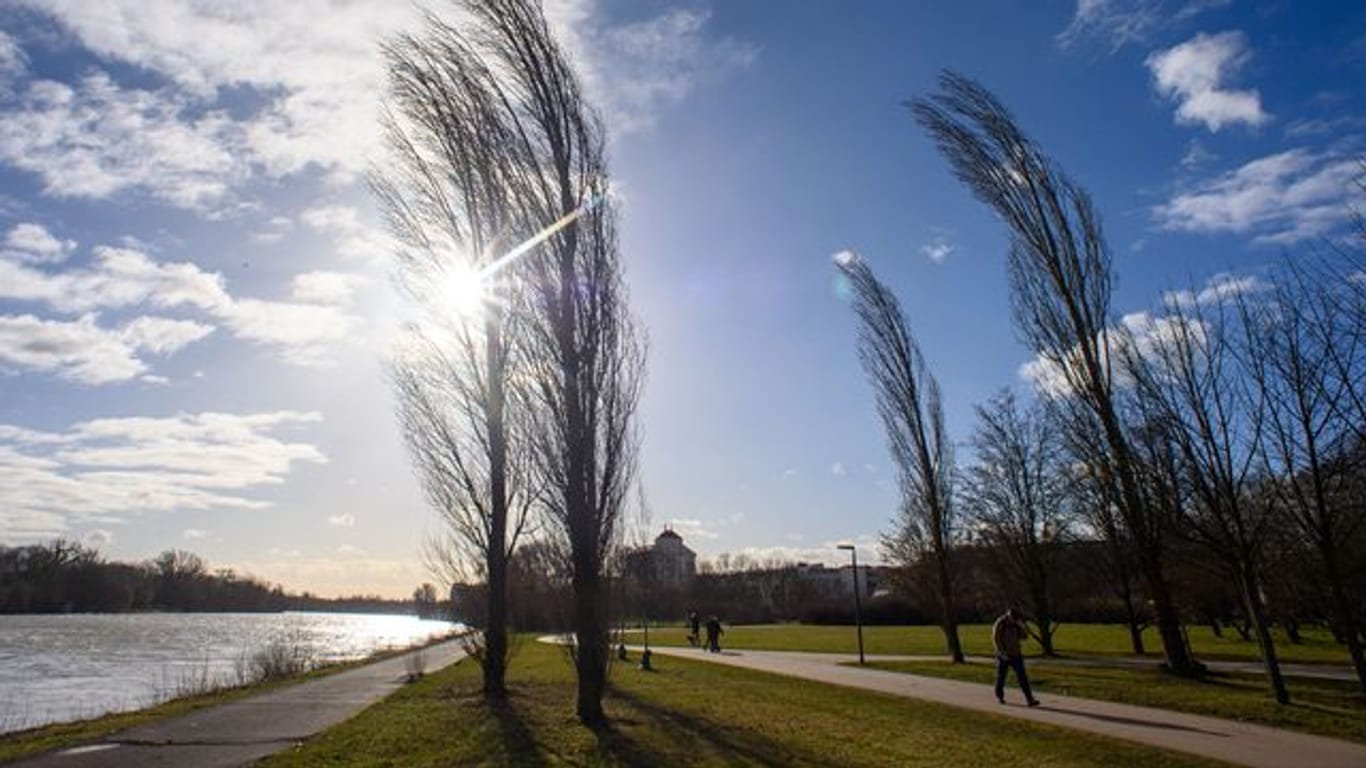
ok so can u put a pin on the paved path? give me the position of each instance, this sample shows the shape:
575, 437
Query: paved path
1233, 742
241, 732
1317, 671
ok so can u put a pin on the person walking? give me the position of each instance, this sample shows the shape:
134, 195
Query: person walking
694, 629
714, 632
1006, 635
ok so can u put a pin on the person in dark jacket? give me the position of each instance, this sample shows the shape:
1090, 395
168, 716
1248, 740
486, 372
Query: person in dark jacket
714, 633
1006, 636
694, 629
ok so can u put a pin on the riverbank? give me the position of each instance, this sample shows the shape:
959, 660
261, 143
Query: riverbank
20, 744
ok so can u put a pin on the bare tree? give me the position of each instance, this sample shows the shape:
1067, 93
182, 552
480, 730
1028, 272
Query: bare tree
583, 357
452, 198
908, 402
1060, 273
1302, 346
1199, 401
1017, 493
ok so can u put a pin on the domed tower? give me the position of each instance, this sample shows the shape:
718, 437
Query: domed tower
674, 563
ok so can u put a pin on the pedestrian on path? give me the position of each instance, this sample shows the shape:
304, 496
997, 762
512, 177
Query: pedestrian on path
694, 627
714, 632
1006, 635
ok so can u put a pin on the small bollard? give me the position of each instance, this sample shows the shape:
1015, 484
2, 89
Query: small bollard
645, 660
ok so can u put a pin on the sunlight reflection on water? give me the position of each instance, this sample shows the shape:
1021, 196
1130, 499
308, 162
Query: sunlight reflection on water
68, 667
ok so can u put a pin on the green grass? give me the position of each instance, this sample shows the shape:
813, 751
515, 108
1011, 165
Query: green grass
1325, 707
1071, 639
689, 713
19, 744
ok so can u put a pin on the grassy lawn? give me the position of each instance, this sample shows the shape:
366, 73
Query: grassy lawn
1071, 639
18, 744
689, 714
1326, 707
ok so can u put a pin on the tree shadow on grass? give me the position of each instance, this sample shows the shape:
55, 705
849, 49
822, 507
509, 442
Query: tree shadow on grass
678, 738
519, 743
1134, 721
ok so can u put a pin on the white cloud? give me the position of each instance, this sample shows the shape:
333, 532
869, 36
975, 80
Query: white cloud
331, 575
1195, 72
13, 62
1307, 127
315, 77
346, 520
1218, 289
163, 336
83, 352
315, 62
274, 230
636, 71
354, 239
1281, 198
300, 333
1197, 156
348, 549
1116, 21
98, 537
837, 469
325, 287
195, 534
789, 473
33, 243
97, 139
1139, 332
694, 529
107, 469
826, 554
937, 250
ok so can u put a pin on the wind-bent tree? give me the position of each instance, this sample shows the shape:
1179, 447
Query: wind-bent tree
583, 356
452, 195
1200, 402
1304, 345
510, 174
1059, 269
1017, 494
908, 402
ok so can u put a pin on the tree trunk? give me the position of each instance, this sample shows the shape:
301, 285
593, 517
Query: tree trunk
1126, 596
1043, 615
1342, 611
590, 660
1292, 630
948, 612
1174, 650
495, 627
1252, 603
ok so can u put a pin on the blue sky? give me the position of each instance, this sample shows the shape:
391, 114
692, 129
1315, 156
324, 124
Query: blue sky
194, 292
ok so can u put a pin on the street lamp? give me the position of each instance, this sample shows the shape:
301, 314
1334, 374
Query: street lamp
858, 601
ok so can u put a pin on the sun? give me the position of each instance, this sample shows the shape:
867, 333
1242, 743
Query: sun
461, 291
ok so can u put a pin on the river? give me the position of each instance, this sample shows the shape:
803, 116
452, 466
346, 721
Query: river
57, 668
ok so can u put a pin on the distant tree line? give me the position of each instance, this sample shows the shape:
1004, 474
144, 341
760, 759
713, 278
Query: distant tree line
64, 576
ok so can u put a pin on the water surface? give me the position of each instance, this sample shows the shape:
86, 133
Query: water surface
55, 668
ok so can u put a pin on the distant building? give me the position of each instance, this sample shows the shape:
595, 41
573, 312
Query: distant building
840, 581
668, 562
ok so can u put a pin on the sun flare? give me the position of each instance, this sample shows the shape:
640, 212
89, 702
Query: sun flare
462, 292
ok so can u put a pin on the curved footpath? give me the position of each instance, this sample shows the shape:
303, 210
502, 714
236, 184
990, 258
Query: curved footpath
1230, 741
241, 732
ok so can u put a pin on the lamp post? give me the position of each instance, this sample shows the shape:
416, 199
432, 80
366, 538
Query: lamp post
858, 600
